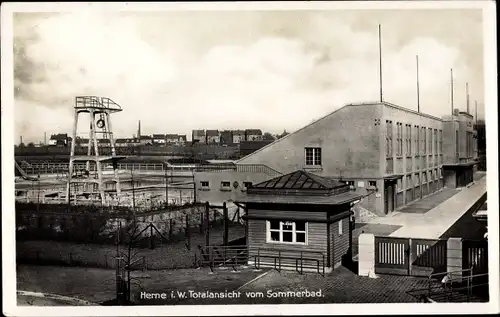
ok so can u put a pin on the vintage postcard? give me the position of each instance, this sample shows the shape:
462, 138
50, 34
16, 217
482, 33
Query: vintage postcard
249, 158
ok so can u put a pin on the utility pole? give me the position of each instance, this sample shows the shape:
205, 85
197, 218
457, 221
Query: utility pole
418, 89
467, 96
380, 60
451, 71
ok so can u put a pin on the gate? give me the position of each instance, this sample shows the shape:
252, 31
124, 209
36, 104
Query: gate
391, 255
475, 256
405, 256
428, 257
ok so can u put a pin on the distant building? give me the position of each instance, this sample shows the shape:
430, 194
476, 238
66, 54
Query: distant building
226, 137
129, 142
182, 139
159, 139
238, 136
198, 136
213, 137
146, 140
59, 139
253, 135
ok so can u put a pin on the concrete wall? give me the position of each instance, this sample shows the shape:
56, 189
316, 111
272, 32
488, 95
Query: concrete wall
348, 137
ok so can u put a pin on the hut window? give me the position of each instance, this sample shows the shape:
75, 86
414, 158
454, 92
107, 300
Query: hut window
286, 231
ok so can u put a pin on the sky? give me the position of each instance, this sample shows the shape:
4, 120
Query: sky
272, 70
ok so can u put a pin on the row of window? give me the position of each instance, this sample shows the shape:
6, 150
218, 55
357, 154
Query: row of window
226, 185
429, 176
290, 232
426, 140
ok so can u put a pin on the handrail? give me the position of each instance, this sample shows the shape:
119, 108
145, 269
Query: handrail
450, 279
279, 257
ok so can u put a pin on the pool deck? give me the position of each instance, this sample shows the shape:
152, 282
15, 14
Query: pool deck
434, 223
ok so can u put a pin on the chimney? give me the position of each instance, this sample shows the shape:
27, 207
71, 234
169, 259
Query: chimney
139, 130
456, 112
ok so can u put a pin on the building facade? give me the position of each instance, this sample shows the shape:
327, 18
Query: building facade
213, 137
159, 139
238, 136
396, 153
199, 136
253, 135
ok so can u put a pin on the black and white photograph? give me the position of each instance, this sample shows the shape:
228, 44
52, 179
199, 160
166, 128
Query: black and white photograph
249, 158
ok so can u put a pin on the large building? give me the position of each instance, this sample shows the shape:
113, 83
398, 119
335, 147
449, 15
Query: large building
398, 155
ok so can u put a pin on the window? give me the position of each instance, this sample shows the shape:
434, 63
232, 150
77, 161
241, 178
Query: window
456, 142
350, 183
422, 138
435, 138
399, 139
408, 181
388, 138
247, 184
399, 184
440, 171
287, 231
225, 185
417, 140
313, 156
408, 139
417, 179
205, 184
372, 183
340, 227
429, 142
440, 136
424, 178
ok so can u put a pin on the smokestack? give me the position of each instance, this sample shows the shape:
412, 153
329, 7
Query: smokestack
45, 138
451, 70
21, 140
139, 130
418, 89
467, 96
380, 60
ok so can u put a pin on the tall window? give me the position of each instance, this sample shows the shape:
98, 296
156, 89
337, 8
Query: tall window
441, 142
408, 181
287, 231
423, 139
313, 156
388, 138
429, 141
408, 139
456, 142
417, 140
417, 179
399, 139
435, 138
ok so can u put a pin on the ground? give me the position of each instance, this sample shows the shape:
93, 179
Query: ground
98, 285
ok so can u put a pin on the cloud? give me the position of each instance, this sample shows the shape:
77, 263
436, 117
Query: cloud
263, 72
